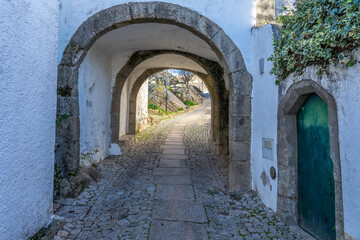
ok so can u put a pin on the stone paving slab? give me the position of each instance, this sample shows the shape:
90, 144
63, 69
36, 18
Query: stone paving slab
172, 163
175, 139
174, 143
171, 171
175, 210
172, 146
174, 157
174, 151
173, 179
166, 230
175, 134
174, 192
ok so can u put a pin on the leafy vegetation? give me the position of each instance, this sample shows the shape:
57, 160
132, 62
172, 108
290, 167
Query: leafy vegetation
316, 32
189, 103
180, 109
153, 106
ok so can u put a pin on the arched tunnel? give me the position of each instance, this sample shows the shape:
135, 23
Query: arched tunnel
111, 55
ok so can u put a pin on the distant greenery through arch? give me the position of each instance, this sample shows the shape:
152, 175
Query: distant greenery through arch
316, 32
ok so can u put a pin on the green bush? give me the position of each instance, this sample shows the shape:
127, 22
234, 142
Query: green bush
153, 106
316, 32
189, 103
180, 109
162, 111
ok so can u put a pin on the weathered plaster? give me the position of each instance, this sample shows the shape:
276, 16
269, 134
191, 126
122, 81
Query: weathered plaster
264, 115
94, 98
28, 60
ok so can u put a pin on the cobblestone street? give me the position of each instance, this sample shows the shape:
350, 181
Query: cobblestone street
170, 185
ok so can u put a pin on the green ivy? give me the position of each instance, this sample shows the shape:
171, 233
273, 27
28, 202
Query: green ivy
316, 32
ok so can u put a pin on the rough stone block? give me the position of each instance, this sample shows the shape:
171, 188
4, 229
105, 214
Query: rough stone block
223, 42
240, 105
68, 128
85, 35
114, 119
109, 19
166, 11
115, 105
241, 83
240, 130
72, 55
68, 155
143, 10
67, 81
67, 105
287, 209
239, 176
239, 151
235, 61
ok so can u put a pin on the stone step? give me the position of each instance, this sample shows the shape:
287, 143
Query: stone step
172, 163
178, 139
165, 230
173, 180
174, 192
167, 142
174, 156
173, 151
171, 171
175, 134
172, 146
179, 210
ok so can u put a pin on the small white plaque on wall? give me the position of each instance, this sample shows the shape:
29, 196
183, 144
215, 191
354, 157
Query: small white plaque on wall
268, 148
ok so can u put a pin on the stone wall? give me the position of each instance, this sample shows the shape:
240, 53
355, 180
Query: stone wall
28, 67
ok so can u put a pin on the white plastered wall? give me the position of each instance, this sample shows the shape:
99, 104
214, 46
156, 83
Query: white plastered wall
28, 80
142, 103
94, 103
264, 116
343, 83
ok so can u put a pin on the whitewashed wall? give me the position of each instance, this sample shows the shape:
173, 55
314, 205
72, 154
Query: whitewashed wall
28, 75
142, 106
236, 17
264, 115
343, 84
94, 102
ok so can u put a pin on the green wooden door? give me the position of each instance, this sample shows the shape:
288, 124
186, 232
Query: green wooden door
316, 194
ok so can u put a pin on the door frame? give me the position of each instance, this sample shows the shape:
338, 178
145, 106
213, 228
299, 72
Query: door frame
287, 153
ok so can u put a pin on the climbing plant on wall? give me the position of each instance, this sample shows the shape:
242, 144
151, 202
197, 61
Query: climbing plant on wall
316, 32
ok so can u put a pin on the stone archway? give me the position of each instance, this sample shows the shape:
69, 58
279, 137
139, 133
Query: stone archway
289, 106
137, 85
236, 78
214, 80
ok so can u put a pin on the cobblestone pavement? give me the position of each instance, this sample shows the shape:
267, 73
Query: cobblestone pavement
132, 199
